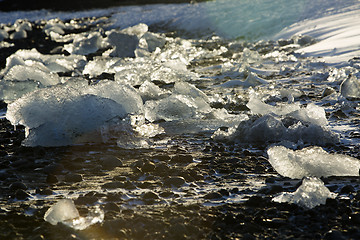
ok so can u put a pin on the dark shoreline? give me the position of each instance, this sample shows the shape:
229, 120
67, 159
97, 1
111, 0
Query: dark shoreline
78, 5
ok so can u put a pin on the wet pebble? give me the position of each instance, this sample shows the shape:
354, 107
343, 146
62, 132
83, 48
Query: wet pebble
182, 158
111, 162
20, 194
148, 167
110, 206
73, 177
347, 189
50, 178
150, 196
213, 195
175, 181
54, 168
17, 185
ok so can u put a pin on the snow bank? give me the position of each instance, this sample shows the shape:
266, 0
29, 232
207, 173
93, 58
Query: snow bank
310, 194
311, 161
338, 35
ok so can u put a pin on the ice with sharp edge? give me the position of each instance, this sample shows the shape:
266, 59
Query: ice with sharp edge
65, 212
311, 193
311, 161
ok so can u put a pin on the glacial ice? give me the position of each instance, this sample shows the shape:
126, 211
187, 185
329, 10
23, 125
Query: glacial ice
124, 44
27, 70
311, 114
61, 211
350, 87
65, 212
310, 194
311, 161
185, 102
72, 112
85, 44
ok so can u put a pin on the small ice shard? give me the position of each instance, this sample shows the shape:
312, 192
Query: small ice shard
311, 161
310, 194
65, 212
254, 80
350, 87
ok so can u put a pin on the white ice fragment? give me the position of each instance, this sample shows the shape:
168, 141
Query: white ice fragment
24, 73
350, 87
149, 91
85, 44
311, 161
312, 113
286, 92
252, 80
72, 112
153, 41
65, 212
124, 44
259, 107
62, 211
137, 30
174, 107
272, 128
310, 194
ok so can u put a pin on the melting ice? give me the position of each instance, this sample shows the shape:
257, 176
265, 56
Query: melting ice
65, 212
311, 193
311, 161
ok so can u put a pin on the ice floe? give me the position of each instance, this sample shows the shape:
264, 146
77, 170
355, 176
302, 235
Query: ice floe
72, 112
311, 161
65, 212
311, 193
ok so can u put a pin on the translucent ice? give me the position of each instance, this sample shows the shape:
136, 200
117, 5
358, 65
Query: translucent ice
85, 44
187, 101
350, 87
311, 113
71, 113
65, 212
270, 128
124, 44
61, 211
310, 194
311, 161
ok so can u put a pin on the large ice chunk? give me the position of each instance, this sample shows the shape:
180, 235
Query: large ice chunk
65, 212
71, 113
124, 44
311, 161
310, 194
62, 211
